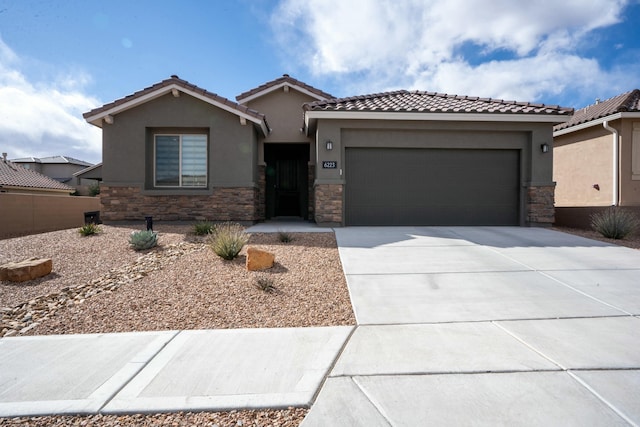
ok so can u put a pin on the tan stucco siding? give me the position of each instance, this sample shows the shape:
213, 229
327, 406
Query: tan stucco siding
128, 142
581, 160
630, 153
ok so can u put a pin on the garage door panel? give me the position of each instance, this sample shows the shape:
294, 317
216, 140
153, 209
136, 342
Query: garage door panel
390, 186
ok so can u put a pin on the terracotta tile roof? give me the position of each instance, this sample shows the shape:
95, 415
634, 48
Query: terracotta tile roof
14, 175
175, 80
431, 102
625, 102
286, 78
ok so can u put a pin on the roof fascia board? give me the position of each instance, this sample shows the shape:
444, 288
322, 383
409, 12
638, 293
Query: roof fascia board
425, 116
596, 122
96, 119
280, 86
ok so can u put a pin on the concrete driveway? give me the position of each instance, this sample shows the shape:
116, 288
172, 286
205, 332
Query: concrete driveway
486, 326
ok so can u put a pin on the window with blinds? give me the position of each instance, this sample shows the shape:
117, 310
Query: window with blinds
181, 160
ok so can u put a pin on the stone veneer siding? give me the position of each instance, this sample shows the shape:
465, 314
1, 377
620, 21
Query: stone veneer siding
540, 201
328, 203
225, 204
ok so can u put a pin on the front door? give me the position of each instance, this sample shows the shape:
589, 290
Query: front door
287, 180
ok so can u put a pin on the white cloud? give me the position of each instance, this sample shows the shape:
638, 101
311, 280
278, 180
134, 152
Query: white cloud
45, 118
420, 43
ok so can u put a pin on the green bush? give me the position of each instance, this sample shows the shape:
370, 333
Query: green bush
94, 189
89, 229
284, 237
615, 223
202, 228
227, 240
141, 240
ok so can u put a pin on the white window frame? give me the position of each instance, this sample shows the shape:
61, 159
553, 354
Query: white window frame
155, 166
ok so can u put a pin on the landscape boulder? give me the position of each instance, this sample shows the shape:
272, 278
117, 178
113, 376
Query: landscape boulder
26, 270
257, 259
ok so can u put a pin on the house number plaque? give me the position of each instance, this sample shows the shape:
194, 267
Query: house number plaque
329, 164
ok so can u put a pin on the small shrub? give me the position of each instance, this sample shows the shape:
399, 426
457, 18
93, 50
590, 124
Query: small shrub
615, 223
284, 237
141, 240
94, 189
228, 239
202, 228
264, 283
89, 229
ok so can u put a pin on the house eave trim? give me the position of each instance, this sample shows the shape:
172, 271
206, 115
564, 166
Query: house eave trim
97, 118
596, 122
32, 189
426, 116
279, 86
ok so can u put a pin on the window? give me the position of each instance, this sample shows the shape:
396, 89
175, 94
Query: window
181, 160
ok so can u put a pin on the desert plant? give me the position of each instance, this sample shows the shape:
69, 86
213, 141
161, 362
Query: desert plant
94, 189
141, 240
264, 283
89, 229
284, 237
227, 240
202, 228
615, 223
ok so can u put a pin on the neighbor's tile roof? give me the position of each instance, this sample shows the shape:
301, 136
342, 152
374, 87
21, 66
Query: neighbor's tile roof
625, 102
14, 175
431, 102
183, 83
286, 78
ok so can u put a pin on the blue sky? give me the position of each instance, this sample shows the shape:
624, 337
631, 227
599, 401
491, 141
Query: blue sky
59, 59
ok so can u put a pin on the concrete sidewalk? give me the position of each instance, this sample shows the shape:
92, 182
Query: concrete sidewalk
456, 326
486, 326
144, 372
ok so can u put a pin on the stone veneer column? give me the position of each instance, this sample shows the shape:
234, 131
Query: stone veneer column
540, 205
328, 204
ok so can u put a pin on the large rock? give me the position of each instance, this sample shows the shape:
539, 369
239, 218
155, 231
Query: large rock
26, 270
257, 259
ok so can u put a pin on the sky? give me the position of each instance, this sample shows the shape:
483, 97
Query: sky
59, 59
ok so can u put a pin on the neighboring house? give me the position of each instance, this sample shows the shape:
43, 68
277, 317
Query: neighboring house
60, 168
16, 179
597, 159
178, 152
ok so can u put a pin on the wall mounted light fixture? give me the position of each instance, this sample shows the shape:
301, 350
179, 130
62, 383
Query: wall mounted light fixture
544, 148
329, 145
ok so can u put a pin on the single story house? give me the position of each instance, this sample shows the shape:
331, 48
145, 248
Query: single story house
285, 149
597, 159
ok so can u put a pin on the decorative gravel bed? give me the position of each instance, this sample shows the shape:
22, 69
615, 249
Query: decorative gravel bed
98, 284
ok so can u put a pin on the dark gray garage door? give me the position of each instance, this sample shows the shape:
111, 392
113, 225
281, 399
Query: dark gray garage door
406, 186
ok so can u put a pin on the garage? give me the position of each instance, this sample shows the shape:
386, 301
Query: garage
431, 186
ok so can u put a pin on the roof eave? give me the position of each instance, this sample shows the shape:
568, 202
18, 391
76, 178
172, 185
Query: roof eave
98, 119
53, 190
279, 86
597, 122
311, 116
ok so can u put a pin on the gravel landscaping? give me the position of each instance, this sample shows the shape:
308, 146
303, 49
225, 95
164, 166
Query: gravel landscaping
99, 284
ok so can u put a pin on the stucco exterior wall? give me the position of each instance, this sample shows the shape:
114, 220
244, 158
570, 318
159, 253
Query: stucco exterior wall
582, 160
24, 214
536, 168
629, 162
